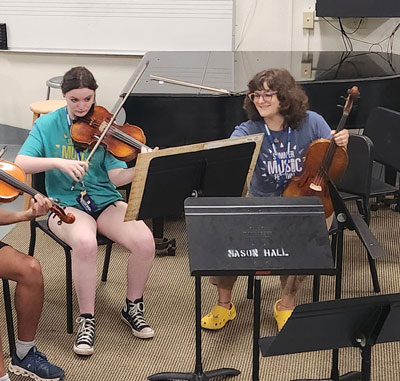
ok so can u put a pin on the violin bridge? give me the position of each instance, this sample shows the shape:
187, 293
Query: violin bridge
315, 187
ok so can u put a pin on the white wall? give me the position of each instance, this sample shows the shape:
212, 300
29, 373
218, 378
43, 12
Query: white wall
23, 79
277, 25
260, 25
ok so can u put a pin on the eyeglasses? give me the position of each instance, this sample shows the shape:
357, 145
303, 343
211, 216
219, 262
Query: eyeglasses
267, 97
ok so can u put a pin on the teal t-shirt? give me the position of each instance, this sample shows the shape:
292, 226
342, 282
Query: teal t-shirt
50, 137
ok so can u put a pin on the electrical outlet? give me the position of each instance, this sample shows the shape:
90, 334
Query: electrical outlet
308, 20
306, 69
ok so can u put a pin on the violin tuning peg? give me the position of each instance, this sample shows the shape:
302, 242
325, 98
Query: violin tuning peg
340, 106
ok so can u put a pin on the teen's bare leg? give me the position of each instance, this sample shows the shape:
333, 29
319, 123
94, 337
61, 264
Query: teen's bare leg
134, 236
81, 237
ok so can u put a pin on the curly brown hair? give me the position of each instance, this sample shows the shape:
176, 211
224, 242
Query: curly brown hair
293, 100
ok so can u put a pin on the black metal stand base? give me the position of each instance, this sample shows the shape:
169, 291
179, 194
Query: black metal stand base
198, 374
223, 372
351, 376
166, 244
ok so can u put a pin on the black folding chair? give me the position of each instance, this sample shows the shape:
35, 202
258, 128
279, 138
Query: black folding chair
9, 316
38, 183
383, 128
355, 184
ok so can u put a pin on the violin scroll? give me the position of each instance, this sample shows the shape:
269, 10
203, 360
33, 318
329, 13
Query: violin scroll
353, 94
68, 218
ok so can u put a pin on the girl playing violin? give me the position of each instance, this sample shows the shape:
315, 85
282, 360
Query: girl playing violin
89, 191
277, 107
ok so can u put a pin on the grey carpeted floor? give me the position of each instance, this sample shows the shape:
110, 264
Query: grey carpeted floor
170, 309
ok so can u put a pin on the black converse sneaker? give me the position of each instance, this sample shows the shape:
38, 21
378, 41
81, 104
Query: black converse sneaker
132, 315
85, 337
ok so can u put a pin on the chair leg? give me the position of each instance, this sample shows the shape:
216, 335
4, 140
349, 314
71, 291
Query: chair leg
364, 209
106, 262
32, 241
9, 317
316, 287
250, 287
374, 274
397, 207
339, 263
68, 285
367, 210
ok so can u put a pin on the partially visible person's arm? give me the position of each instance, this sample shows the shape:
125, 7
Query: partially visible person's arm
39, 207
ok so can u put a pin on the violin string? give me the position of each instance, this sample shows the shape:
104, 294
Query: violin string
11, 180
328, 157
116, 133
126, 138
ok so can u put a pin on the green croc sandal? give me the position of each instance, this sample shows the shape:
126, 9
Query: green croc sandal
218, 317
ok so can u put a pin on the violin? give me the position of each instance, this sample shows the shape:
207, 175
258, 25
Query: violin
324, 161
12, 185
124, 142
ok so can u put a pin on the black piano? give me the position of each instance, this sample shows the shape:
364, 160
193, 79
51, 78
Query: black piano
174, 115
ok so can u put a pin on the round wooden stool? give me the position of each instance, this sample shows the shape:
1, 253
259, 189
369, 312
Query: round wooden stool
44, 107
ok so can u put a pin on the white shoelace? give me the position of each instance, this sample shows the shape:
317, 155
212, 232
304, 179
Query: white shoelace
135, 312
86, 331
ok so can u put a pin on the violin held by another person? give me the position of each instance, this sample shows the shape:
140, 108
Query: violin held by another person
324, 161
12, 185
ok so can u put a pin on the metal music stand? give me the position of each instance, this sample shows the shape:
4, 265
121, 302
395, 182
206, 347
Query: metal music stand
164, 178
244, 236
357, 322
220, 171
353, 222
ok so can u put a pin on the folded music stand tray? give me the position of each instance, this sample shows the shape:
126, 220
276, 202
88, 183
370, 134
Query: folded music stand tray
244, 236
357, 322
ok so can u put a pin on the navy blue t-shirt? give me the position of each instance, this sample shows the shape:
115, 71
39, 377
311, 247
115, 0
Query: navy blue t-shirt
271, 175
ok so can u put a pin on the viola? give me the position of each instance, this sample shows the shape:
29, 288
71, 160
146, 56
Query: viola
124, 142
12, 185
324, 161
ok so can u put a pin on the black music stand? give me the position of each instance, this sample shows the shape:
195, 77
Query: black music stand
357, 322
220, 171
212, 172
353, 222
218, 228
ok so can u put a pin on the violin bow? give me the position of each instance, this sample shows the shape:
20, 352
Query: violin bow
117, 111
3, 151
189, 84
